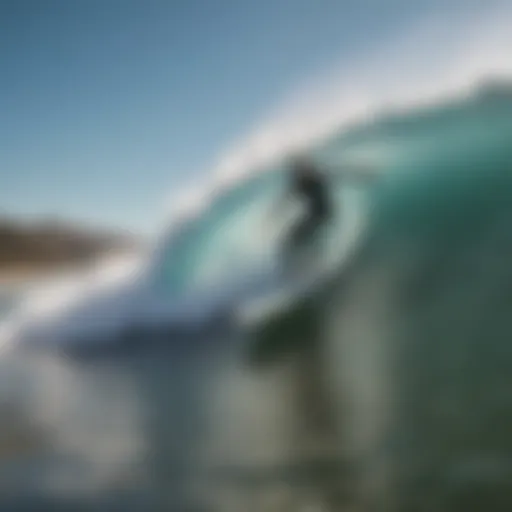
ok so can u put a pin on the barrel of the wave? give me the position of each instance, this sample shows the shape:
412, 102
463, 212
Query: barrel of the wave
285, 315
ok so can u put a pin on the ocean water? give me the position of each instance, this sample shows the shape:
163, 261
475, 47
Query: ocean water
390, 389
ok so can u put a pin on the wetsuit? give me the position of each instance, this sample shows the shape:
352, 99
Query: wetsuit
312, 188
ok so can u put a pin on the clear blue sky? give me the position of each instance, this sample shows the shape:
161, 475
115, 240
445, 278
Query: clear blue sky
105, 103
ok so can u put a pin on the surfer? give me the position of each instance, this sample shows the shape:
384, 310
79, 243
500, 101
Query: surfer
311, 186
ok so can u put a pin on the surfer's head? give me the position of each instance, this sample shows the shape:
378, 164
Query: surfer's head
301, 165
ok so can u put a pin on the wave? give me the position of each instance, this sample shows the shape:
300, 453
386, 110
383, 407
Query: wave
222, 251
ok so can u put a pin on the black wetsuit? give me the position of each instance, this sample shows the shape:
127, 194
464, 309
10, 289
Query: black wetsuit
312, 188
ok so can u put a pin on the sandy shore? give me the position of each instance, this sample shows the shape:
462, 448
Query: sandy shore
15, 276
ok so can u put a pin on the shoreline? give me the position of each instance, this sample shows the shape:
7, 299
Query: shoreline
16, 275
20, 274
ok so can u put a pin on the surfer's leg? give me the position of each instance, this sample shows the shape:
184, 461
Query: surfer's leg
297, 239
296, 236
307, 231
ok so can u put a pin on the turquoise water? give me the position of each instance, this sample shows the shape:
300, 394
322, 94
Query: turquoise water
389, 391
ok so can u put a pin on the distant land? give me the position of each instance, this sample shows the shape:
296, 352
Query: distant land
34, 248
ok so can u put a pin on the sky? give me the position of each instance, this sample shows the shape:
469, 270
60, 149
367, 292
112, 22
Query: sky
108, 107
